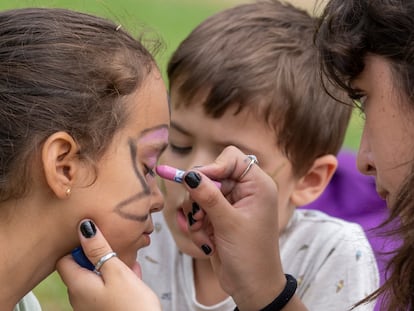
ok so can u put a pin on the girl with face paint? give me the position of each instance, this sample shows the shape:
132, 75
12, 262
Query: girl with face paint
83, 118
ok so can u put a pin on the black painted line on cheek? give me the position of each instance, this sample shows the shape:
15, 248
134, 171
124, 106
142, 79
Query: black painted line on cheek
120, 206
133, 151
141, 195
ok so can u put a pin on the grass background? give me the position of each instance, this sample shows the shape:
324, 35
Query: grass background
172, 20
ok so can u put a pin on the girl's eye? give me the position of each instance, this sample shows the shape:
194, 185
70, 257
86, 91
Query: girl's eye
148, 171
180, 150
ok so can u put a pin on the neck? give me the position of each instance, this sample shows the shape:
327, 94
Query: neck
207, 287
34, 242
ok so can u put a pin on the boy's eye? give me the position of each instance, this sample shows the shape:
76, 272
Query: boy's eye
179, 149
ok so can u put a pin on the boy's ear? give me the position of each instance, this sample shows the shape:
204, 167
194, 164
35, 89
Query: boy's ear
311, 186
60, 162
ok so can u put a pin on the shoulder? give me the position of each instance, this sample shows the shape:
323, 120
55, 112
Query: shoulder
28, 303
305, 220
331, 258
320, 233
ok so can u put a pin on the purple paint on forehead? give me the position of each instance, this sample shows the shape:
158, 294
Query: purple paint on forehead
156, 140
153, 135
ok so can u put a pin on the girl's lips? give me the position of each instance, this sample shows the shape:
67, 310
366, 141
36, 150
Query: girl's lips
147, 239
182, 221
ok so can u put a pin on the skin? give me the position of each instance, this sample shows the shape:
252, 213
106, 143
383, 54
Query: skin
191, 145
119, 196
236, 225
117, 288
384, 152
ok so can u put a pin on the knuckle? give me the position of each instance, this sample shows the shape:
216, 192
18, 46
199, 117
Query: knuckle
210, 200
97, 252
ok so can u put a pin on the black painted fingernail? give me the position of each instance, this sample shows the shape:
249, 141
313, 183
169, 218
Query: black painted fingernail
192, 179
206, 249
88, 229
196, 208
191, 220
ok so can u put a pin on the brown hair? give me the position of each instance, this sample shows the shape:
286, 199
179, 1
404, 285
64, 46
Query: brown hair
61, 70
260, 56
349, 31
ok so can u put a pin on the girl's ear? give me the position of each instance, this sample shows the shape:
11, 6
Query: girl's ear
314, 182
60, 163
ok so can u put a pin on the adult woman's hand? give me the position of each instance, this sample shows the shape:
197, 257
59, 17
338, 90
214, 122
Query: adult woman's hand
238, 226
115, 287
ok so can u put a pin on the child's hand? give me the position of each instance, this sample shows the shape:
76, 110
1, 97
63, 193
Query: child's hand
238, 226
116, 288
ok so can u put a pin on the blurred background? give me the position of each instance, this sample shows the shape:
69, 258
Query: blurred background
171, 20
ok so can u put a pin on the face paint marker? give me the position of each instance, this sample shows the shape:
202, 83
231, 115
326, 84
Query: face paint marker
175, 174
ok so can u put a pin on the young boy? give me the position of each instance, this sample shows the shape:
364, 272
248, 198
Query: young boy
248, 77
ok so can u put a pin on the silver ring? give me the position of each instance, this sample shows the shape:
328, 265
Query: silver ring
102, 260
253, 160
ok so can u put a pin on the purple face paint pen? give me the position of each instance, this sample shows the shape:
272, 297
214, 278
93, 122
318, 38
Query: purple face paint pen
174, 174
81, 259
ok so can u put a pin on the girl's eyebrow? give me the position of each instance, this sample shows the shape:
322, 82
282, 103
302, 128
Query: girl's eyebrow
159, 131
156, 139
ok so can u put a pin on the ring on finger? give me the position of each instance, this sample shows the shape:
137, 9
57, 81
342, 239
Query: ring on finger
102, 260
253, 160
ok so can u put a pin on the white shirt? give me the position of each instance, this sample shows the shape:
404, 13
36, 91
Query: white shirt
331, 259
28, 303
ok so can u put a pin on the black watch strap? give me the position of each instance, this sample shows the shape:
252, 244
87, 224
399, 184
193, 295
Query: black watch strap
284, 297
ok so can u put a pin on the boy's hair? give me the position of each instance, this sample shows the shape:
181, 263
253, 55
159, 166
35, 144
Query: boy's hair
261, 57
62, 71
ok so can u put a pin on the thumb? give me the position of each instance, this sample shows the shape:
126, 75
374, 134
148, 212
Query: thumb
203, 191
93, 248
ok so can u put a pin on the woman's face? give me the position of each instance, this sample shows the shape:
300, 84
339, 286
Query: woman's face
385, 151
125, 193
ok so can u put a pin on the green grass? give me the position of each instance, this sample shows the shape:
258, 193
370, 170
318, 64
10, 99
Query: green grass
353, 135
172, 20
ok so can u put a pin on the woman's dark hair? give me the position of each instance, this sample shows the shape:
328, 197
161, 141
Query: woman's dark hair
62, 70
350, 30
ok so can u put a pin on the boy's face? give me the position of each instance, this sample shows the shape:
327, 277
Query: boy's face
197, 139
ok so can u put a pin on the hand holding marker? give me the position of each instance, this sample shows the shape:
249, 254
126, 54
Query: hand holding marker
175, 174
164, 171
